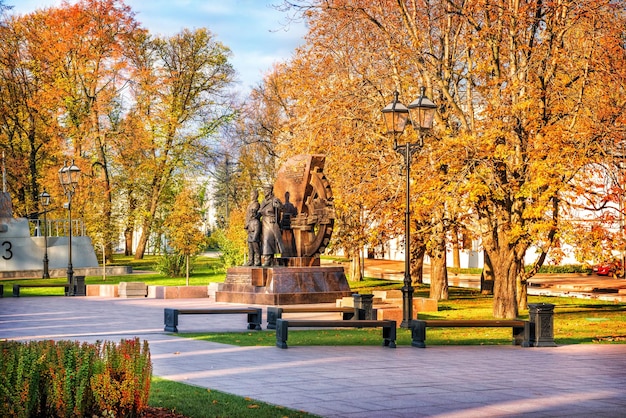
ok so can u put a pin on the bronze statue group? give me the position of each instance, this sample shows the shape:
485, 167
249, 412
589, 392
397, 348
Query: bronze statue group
269, 228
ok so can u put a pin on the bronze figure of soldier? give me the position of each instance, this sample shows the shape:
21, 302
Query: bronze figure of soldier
253, 226
271, 235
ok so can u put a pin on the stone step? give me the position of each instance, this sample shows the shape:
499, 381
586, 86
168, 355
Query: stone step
132, 289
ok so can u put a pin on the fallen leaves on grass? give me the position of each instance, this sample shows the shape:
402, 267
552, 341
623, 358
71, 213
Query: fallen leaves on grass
153, 412
611, 339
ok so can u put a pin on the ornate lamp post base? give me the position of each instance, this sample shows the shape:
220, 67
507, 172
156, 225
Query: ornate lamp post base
407, 306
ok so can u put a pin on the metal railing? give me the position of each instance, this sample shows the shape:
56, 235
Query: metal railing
56, 227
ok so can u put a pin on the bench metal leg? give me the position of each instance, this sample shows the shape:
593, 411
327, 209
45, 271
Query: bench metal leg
529, 334
16, 290
418, 333
346, 316
520, 334
273, 313
282, 329
255, 319
171, 320
389, 335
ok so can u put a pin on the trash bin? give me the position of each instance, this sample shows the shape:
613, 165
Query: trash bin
80, 289
542, 320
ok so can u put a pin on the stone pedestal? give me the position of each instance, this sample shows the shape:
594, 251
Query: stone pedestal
178, 292
282, 285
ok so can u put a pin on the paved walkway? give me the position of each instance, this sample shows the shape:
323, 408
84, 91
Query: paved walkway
462, 381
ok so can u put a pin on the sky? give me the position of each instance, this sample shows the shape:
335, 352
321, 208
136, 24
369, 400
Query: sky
257, 34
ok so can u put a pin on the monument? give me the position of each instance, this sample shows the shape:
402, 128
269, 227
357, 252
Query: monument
21, 253
302, 206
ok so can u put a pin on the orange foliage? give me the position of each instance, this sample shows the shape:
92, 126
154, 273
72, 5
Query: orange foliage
527, 96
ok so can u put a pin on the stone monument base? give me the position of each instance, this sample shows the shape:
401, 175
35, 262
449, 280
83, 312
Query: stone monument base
283, 285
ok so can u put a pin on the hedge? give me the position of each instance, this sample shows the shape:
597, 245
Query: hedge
73, 379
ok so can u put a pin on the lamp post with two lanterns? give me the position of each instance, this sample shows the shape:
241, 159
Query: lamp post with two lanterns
68, 176
421, 113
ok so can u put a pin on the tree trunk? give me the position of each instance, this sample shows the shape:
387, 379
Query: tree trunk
522, 291
418, 250
143, 241
129, 231
187, 268
355, 268
487, 276
506, 270
438, 278
146, 227
417, 268
128, 240
438, 270
456, 251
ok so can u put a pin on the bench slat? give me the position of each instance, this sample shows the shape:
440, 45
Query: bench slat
276, 312
472, 323
292, 309
171, 315
42, 285
215, 311
522, 330
388, 328
362, 323
17, 287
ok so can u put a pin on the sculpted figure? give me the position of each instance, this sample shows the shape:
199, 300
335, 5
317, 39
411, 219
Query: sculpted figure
289, 241
272, 242
253, 226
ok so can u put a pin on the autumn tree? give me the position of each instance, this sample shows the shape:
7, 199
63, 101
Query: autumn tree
181, 102
182, 224
526, 95
66, 66
90, 75
84, 81
29, 140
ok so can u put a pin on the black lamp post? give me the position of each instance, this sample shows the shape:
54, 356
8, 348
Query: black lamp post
44, 198
68, 176
421, 113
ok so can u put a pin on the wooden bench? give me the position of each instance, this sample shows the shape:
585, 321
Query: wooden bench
171, 316
17, 287
388, 326
276, 312
521, 329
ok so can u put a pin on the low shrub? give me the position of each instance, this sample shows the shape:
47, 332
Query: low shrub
567, 268
73, 379
172, 265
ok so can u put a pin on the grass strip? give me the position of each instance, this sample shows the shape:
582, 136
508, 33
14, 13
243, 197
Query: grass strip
197, 402
576, 321
357, 337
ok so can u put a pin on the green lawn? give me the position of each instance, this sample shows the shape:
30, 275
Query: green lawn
576, 321
196, 402
206, 270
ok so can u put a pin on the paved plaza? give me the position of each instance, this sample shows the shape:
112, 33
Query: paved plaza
439, 381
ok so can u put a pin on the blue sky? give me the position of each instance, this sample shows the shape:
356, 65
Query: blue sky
257, 34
